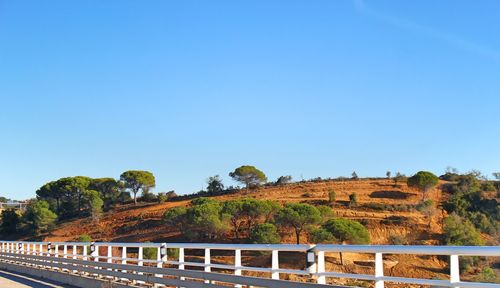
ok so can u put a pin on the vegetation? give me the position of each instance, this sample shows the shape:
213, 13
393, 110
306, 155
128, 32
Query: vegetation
424, 181
353, 200
461, 232
215, 185
265, 233
137, 180
347, 231
10, 221
248, 175
282, 180
332, 196
399, 178
84, 238
469, 201
298, 217
39, 217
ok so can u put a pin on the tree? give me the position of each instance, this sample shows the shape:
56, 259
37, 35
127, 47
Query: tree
398, 178
248, 175
354, 175
215, 185
347, 231
428, 209
320, 235
265, 233
205, 219
175, 217
298, 216
325, 211
353, 200
254, 209
282, 180
51, 191
73, 189
460, 232
388, 174
10, 221
332, 196
137, 180
234, 209
496, 175
423, 181
109, 189
39, 217
94, 203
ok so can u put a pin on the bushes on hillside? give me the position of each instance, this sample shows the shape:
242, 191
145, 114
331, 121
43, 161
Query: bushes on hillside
265, 233
460, 232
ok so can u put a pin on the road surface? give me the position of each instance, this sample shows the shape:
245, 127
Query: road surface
11, 280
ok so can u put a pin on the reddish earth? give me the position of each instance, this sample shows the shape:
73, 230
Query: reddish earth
143, 222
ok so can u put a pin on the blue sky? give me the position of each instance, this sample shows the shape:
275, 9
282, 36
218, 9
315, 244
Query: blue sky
190, 89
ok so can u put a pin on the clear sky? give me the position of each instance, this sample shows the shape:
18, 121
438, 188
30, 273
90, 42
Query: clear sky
190, 89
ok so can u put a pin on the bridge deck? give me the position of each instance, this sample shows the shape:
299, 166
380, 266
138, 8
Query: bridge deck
12, 280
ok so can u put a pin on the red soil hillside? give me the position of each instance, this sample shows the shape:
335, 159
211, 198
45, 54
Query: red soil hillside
384, 208
143, 222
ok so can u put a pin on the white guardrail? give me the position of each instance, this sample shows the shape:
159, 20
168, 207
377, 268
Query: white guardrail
126, 262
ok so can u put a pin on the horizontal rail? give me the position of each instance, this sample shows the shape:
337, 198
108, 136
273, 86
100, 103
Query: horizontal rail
493, 251
90, 254
92, 267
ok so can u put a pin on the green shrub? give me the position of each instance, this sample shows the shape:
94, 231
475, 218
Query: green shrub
173, 253
347, 231
265, 233
353, 200
332, 197
461, 232
320, 235
84, 238
487, 275
424, 205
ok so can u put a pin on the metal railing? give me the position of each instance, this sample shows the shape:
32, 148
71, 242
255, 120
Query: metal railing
127, 262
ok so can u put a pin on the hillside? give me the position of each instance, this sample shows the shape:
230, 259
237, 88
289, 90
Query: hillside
386, 209
143, 222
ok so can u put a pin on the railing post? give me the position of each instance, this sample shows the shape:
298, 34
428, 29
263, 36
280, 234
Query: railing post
311, 261
454, 270
275, 265
94, 249
207, 262
181, 261
321, 267
74, 251
237, 264
110, 254
140, 257
56, 251
124, 259
161, 256
124, 255
84, 253
379, 270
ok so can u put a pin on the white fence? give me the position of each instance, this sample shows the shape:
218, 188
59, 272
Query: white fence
126, 262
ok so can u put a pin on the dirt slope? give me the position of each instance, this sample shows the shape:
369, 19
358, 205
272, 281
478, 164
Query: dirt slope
143, 222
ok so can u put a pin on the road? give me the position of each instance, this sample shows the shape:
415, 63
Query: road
11, 280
